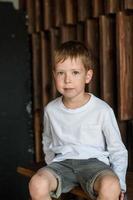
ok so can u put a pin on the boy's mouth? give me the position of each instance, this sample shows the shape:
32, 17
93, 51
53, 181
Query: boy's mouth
68, 88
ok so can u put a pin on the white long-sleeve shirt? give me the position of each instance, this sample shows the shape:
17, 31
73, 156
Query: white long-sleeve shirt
90, 131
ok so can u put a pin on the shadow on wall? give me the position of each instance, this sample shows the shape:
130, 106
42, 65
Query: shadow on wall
16, 140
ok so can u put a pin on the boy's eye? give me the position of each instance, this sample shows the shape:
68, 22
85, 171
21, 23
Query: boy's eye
75, 72
60, 73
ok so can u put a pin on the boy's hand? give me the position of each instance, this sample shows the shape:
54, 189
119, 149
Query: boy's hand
122, 196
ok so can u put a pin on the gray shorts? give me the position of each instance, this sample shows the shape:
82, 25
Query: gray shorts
71, 173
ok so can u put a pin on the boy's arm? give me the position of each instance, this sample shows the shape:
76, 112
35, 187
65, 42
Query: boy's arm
117, 151
123, 196
47, 140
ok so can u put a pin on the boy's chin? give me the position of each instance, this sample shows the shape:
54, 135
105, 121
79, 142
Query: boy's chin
69, 97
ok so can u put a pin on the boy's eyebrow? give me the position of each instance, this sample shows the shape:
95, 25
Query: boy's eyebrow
80, 69
74, 69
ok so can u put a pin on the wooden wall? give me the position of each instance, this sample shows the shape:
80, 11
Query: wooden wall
104, 25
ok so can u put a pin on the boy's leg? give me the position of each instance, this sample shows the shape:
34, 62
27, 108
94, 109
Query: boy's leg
41, 184
98, 179
107, 187
52, 180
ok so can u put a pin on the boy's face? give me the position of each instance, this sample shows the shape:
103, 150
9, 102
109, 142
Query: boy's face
70, 78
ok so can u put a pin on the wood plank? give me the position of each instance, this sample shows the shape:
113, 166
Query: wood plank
129, 185
92, 41
38, 16
59, 13
37, 94
80, 193
37, 115
36, 68
107, 60
80, 31
70, 12
48, 14
83, 9
37, 124
97, 8
130, 145
68, 33
25, 171
112, 6
54, 43
125, 65
128, 4
123, 126
45, 57
30, 5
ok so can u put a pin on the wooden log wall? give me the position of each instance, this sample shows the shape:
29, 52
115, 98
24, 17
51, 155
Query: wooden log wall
104, 25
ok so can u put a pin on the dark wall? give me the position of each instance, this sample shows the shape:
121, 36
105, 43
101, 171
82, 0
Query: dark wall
16, 142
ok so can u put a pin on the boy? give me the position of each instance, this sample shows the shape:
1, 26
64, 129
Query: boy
81, 139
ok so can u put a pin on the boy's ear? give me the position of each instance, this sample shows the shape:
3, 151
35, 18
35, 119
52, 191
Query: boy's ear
89, 75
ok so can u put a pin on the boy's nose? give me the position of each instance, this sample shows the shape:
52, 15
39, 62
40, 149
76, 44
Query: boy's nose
67, 78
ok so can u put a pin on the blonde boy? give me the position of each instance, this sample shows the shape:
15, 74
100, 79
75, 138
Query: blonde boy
81, 139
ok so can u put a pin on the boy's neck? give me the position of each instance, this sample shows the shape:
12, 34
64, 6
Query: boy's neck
76, 103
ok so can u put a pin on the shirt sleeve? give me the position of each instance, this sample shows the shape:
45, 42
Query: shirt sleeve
118, 155
47, 139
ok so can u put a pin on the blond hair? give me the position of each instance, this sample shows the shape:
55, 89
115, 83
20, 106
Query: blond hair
74, 50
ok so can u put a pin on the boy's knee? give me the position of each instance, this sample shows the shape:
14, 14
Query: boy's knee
38, 186
110, 182
108, 186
